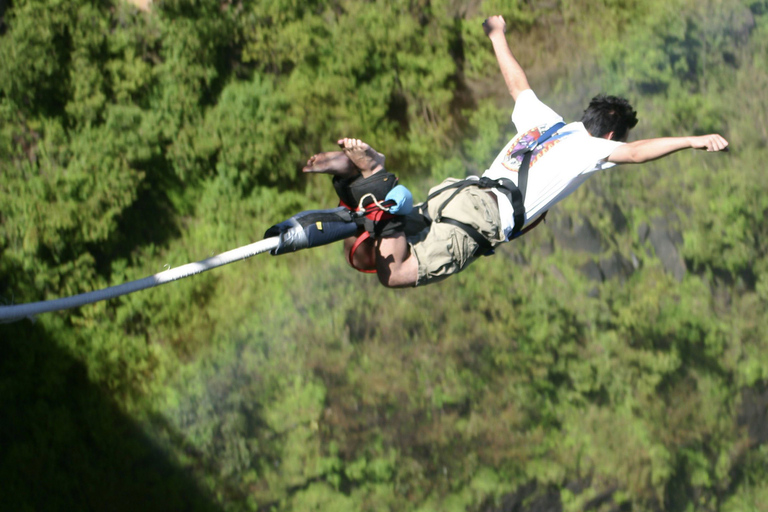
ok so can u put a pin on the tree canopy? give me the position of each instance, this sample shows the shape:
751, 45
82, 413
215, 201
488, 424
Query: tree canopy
614, 360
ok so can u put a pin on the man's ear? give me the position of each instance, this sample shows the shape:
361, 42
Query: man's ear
608, 136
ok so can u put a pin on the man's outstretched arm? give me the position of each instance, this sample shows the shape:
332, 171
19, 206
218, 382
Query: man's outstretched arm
641, 151
513, 73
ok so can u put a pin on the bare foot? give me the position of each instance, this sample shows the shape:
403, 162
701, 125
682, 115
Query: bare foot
367, 159
335, 163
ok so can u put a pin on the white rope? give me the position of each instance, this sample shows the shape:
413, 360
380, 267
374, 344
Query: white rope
20, 311
380, 204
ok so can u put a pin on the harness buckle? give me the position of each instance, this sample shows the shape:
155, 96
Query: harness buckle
485, 182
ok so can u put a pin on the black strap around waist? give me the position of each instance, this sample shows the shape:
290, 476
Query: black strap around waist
483, 245
515, 193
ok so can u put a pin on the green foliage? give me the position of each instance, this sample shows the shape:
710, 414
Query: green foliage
752, 492
132, 141
250, 134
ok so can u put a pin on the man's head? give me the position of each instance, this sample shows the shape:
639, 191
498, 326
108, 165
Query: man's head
609, 117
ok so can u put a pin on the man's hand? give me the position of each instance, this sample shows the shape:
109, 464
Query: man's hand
711, 142
494, 24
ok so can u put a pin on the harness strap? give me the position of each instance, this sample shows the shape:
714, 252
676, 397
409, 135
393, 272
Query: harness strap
369, 217
483, 245
351, 256
518, 203
515, 193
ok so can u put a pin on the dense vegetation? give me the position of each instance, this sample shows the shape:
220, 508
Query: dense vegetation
614, 360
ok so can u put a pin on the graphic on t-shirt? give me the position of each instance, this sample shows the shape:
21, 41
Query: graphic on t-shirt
513, 163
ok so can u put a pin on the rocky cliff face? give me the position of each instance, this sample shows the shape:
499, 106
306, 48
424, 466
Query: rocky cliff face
578, 234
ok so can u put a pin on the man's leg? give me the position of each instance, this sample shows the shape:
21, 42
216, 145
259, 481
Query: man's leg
395, 266
338, 164
389, 256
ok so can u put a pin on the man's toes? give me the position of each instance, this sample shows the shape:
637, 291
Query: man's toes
348, 144
317, 163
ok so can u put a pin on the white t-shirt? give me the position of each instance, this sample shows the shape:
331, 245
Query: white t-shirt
558, 166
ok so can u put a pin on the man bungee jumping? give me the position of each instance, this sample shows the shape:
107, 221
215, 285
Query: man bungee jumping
461, 220
465, 219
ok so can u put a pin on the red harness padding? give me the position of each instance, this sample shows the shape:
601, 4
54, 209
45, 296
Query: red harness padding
373, 214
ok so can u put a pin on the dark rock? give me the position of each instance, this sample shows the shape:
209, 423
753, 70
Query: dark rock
618, 219
601, 499
582, 237
643, 230
592, 271
665, 241
529, 498
616, 265
754, 413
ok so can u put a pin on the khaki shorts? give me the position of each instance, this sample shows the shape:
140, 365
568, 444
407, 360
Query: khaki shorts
445, 249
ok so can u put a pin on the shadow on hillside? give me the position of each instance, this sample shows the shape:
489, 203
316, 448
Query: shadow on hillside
64, 445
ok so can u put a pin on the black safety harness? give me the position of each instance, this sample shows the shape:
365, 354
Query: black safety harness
515, 194
365, 199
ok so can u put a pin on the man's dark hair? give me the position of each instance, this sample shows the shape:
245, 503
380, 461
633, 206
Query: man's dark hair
607, 114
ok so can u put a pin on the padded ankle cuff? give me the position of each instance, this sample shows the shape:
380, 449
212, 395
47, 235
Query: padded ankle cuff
352, 190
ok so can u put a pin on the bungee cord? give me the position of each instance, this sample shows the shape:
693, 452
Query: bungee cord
307, 229
17, 312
